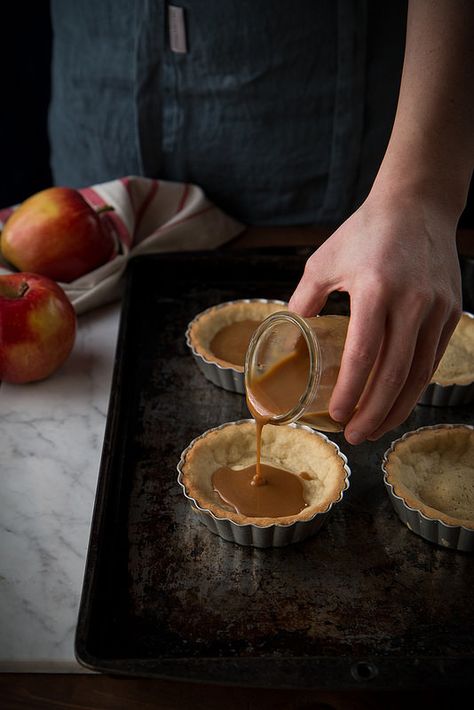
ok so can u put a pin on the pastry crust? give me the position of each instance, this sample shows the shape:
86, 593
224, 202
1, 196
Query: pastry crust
433, 471
207, 324
291, 448
456, 367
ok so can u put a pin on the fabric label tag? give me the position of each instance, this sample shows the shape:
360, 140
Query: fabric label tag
177, 29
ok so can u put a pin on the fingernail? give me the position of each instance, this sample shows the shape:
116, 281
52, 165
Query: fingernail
354, 437
340, 415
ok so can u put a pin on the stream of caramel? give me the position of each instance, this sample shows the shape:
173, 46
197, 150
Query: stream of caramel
261, 490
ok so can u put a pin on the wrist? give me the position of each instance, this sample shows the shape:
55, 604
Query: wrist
407, 185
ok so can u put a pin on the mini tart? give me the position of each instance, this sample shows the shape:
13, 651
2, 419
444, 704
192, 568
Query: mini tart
295, 448
432, 471
207, 324
453, 381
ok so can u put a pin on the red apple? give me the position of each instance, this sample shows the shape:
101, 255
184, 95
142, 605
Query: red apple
56, 233
37, 327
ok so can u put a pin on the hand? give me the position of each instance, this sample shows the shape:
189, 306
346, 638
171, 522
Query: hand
398, 261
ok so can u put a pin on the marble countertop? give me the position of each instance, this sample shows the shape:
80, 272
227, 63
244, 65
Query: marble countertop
51, 435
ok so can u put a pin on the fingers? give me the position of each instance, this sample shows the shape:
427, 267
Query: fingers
446, 335
387, 379
364, 337
406, 361
421, 370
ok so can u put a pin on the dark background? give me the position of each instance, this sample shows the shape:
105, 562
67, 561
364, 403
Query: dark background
25, 56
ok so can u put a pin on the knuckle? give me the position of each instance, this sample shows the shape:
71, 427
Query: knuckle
422, 299
448, 302
394, 378
376, 286
441, 304
359, 354
419, 300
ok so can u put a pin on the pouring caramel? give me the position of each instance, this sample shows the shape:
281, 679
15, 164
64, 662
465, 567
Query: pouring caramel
291, 374
291, 368
261, 490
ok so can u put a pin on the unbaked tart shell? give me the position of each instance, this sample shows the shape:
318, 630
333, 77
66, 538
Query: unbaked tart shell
430, 472
453, 381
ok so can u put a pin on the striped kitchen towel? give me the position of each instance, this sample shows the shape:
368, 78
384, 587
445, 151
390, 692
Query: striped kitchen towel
149, 216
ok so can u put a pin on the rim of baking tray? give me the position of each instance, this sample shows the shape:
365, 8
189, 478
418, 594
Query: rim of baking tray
218, 307
389, 485
293, 425
454, 384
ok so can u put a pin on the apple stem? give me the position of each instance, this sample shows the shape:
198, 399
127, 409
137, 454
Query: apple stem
23, 289
105, 208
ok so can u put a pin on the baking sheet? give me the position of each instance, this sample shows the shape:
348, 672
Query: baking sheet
365, 603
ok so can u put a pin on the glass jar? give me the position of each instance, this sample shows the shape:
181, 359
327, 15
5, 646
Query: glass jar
291, 368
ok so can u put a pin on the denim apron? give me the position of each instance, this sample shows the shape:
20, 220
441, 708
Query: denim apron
280, 110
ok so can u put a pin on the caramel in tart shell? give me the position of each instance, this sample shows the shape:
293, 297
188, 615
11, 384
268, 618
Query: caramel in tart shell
206, 325
293, 448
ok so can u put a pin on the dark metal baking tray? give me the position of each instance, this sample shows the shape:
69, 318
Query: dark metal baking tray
364, 603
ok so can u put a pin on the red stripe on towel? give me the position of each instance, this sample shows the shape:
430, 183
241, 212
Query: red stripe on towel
183, 199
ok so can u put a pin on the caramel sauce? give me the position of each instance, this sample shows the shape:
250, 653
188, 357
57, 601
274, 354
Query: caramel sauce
231, 342
281, 495
322, 421
280, 389
261, 490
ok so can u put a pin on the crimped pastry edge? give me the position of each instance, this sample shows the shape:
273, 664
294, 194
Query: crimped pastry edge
427, 522
445, 392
